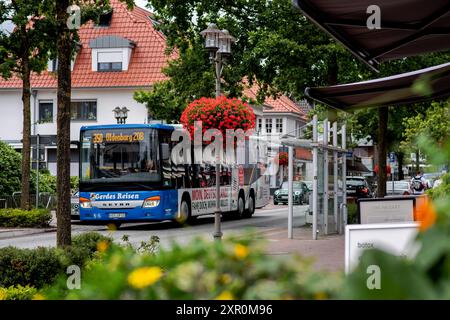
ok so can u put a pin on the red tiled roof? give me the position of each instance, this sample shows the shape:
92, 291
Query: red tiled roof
147, 58
281, 104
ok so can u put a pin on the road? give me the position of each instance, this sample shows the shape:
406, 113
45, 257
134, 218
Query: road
264, 220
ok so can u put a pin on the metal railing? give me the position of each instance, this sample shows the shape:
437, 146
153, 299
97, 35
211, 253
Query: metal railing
46, 200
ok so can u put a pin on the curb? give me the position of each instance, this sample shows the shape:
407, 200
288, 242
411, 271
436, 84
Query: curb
15, 233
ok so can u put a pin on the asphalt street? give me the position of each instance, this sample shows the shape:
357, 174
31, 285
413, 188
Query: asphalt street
264, 220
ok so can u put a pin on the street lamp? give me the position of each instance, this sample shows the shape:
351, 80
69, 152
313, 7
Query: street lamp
218, 43
121, 114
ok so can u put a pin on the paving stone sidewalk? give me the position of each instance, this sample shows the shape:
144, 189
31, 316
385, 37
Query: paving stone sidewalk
327, 252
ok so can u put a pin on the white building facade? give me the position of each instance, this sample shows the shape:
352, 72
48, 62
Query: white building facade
115, 59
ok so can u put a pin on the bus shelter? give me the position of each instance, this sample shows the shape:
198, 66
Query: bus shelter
328, 201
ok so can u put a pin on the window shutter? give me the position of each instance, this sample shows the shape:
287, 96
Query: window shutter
115, 56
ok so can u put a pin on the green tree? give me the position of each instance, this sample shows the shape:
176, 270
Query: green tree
275, 45
24, 50
10, 173
66, 41
433, 123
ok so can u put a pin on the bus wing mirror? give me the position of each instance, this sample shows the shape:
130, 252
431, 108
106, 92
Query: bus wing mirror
76, 143
165, 152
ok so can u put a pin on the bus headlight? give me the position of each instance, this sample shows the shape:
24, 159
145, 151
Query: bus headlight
151, 202
85, 203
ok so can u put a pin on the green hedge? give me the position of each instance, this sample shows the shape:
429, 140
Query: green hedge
36, 218
40, 267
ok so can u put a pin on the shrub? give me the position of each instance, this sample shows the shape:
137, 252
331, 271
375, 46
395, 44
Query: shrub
36, 218
34, 267
47, 182
10, 169
88, 241
17, 293
41, 266
201, 269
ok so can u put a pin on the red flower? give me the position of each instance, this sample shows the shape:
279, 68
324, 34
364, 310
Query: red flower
218, 113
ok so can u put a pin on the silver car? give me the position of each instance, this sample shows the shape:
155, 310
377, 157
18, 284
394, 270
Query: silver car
398, 188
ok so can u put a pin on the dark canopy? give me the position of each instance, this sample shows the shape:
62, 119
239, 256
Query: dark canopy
408, 27
406, 88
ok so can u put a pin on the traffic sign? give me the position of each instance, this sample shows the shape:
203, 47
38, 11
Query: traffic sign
392, 157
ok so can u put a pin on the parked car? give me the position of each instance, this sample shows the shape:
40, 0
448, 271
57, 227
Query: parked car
431, 178
309, 184
401, 188
75, 206
358, 187
300, 193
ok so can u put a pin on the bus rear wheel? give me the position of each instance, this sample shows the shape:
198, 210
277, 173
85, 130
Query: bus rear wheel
251, 207
184, 213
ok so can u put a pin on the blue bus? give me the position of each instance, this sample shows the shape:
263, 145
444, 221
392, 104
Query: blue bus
127, 174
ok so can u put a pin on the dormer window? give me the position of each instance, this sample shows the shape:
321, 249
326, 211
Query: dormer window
110, 61
111, 53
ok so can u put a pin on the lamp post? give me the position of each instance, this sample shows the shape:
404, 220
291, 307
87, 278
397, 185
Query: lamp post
218, 43
121, 114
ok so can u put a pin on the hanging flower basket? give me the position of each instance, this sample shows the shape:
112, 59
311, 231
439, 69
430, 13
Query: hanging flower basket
219, 113
282, 159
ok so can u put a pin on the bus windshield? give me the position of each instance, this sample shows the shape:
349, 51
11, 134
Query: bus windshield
120, 156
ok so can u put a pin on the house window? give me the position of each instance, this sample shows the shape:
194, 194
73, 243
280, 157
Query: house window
109, 66
259, 127
268, 125
83, 110
45, 111
109, 61
279, 125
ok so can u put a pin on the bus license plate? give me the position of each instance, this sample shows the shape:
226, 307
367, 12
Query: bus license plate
117, 215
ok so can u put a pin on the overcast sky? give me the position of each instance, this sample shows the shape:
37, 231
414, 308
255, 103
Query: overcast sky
141, 3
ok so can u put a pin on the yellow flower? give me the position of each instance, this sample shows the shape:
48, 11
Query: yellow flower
144, 277
111, 227
3, 295
240, 251
225, 278
102, 246
320, 296
226, 295
38, 296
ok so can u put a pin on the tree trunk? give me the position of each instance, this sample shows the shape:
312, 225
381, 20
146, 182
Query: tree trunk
400, 157
26, 132
382, 151
333, 69
63, 236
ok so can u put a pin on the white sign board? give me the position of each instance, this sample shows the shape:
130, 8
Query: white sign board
397, 239
386, 210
